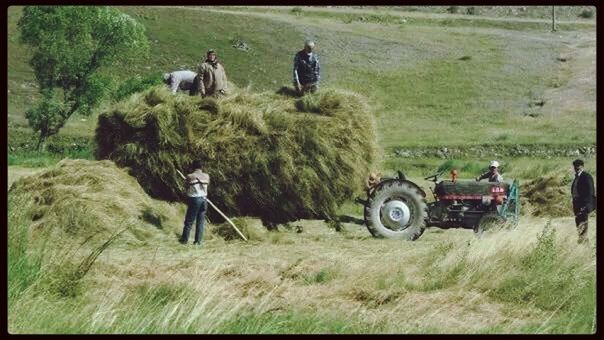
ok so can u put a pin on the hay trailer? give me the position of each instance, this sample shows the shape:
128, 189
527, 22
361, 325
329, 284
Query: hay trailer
397, 208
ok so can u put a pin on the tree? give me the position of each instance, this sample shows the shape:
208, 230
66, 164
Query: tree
70, 44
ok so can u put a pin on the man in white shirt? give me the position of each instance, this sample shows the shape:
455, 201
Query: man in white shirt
197, 191
493, 175
183, 80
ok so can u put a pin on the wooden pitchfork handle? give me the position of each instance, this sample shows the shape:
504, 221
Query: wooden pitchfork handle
218, 210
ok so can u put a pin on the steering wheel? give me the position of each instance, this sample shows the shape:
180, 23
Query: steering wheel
434, 177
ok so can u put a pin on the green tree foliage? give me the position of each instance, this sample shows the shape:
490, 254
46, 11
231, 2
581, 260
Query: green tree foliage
136, 84
69, 45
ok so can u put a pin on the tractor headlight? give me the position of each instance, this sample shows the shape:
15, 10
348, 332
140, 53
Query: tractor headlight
486, 199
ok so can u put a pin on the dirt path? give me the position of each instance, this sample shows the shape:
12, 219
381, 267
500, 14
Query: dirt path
576, 87
402, 14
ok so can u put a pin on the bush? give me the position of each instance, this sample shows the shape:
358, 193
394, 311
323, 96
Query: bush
296, 11
586, 13
136, 84
472, 11
453, 9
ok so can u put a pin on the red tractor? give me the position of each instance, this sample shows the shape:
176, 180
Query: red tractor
396, 207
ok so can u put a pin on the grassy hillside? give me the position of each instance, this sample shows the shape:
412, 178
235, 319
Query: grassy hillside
432, 84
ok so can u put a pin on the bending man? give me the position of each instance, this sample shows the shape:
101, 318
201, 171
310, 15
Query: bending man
183, 80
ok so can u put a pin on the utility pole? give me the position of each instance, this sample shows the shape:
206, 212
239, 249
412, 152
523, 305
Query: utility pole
553, 18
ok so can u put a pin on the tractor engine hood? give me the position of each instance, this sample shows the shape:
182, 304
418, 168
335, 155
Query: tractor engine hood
470, 189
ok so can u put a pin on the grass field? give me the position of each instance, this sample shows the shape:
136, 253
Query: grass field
435, 80
321, 281
431, 85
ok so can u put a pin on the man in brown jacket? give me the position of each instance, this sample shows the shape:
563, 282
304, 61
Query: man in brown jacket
211, 78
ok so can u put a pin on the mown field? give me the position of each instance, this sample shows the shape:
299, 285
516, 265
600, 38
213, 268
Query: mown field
434, 80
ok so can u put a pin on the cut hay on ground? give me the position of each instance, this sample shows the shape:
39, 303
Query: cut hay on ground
548, 195
252, 229
269, 155
79, 200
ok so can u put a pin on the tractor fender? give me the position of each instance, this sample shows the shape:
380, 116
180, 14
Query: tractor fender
389, 180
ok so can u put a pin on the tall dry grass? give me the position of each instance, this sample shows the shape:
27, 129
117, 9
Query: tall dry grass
532, 279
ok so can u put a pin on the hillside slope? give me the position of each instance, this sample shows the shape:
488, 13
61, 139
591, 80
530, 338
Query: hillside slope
450, 83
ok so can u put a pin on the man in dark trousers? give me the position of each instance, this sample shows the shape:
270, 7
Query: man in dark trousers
583, 194
307, 69
197, 191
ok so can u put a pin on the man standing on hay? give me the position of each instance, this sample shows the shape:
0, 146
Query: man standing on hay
197, 191
211, 78
584, 199
306, 69
183, 80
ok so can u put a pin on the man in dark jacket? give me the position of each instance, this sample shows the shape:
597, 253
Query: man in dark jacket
306, 69
583, 194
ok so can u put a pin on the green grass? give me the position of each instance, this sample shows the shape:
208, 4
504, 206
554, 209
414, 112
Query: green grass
182, 290
24, 267
42, 159
295, 323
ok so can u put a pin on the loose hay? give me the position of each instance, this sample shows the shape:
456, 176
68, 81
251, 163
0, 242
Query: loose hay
78, 199
251, 229
272, 156
549, 195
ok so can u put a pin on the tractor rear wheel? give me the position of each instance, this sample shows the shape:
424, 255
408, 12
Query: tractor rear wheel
396, 210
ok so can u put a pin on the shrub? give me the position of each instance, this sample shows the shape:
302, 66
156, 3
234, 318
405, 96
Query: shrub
453, 9
586, 13
136, 84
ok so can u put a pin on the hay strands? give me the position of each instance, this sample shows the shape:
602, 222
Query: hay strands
218, 210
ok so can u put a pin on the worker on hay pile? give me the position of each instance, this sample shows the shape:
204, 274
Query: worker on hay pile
584, 199
306, 69
211, 78
197, 191
183, 80
493, 175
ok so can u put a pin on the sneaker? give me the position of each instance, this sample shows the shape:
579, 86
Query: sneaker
181, 241
197, 243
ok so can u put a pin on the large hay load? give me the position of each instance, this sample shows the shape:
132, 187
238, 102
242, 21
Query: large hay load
87, 202
272, 156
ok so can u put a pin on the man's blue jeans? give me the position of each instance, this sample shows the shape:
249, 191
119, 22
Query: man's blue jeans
196, 209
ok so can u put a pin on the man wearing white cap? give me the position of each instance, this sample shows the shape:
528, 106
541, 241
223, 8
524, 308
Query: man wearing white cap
180, 80
306, 69
493, 175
